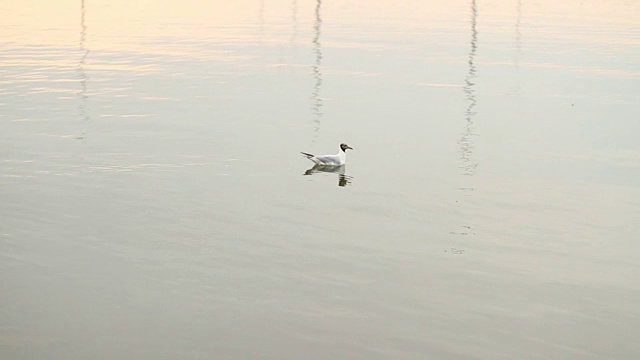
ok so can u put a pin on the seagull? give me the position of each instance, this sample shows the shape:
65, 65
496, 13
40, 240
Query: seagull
330, 160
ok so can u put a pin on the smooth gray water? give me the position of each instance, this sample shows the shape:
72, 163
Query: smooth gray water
154, 204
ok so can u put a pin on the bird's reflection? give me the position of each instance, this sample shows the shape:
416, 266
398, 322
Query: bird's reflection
343, 179
316, 100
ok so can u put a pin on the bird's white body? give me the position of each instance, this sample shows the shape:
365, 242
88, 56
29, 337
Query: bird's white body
330, 160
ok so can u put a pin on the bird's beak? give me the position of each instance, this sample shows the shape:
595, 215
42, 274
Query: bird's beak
349, 147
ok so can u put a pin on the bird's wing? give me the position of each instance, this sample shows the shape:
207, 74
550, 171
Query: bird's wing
328, 159
306, 154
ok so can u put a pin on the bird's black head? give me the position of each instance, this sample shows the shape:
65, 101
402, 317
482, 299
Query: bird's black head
344, 147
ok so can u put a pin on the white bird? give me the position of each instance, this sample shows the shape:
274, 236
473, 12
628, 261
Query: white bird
330, 160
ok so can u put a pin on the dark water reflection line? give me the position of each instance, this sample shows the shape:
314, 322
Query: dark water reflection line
82, 75
466, 142
343, 178
467, 166
316, 100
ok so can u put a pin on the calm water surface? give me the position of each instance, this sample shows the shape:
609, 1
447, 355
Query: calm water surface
154, 204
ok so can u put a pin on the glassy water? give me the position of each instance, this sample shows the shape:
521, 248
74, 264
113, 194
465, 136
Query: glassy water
155, 204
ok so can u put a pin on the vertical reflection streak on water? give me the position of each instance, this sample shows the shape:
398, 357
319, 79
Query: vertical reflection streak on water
518, 48
82, 75
467, 165
294, 20
516, 59
316, 100
261, 20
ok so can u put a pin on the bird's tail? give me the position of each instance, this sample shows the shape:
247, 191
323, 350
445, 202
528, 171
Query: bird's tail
307, 155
